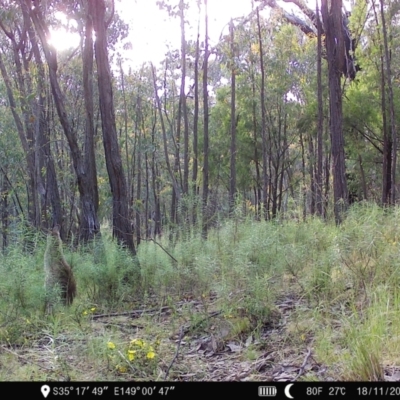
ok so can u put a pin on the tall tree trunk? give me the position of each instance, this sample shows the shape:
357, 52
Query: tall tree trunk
303, 175
387, 140
311, 170
138, 205
89, 224
122, 228
263, 125
84, 177
257, 189
320, 126
164, 133
182, 99
232, 179
129, 183
391, 106
147, 201
195, 187
206, 134
332, 17
155, 182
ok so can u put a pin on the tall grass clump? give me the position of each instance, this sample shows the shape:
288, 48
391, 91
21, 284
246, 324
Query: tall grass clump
362, 323
22, 280
109, 279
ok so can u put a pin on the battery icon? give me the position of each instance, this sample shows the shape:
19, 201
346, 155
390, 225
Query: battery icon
266, 391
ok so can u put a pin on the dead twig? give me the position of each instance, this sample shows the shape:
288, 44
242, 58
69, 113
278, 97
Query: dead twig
181, 335
301, 371
135, 313
158, 244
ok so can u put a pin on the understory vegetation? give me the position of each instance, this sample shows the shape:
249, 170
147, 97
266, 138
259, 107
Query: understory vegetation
215, 299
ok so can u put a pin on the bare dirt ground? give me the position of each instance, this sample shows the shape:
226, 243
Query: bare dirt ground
208, 346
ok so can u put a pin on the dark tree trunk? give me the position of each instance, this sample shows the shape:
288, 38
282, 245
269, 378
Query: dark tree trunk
332, 17
392, 118
320, 126
122, 228
85, 185
346, 60
89, 224
387, 140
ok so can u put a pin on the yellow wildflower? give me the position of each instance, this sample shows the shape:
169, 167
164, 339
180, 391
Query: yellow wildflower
137, 342
111, 345
131, 355
151, 355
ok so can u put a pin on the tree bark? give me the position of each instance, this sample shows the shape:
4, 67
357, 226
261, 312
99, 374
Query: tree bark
206, 133
122, 228
183, 107
332, 17
320, 124
232, 180
195, 187
263, 125
392, 118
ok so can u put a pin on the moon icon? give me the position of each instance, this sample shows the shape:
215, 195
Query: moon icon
287, 391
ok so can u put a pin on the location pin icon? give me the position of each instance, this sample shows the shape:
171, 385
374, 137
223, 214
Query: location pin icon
45, 389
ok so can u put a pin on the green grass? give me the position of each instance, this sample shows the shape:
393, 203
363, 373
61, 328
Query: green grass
344, 281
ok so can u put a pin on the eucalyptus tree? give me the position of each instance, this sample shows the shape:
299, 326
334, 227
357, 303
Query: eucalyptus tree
83, 163
15, 38
387, 79
206, 144
333, 23
122, 227
232, 175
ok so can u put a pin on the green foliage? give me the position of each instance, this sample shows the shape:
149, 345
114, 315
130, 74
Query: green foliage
113, 277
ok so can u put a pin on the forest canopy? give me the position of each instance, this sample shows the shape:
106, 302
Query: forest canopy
293, 112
